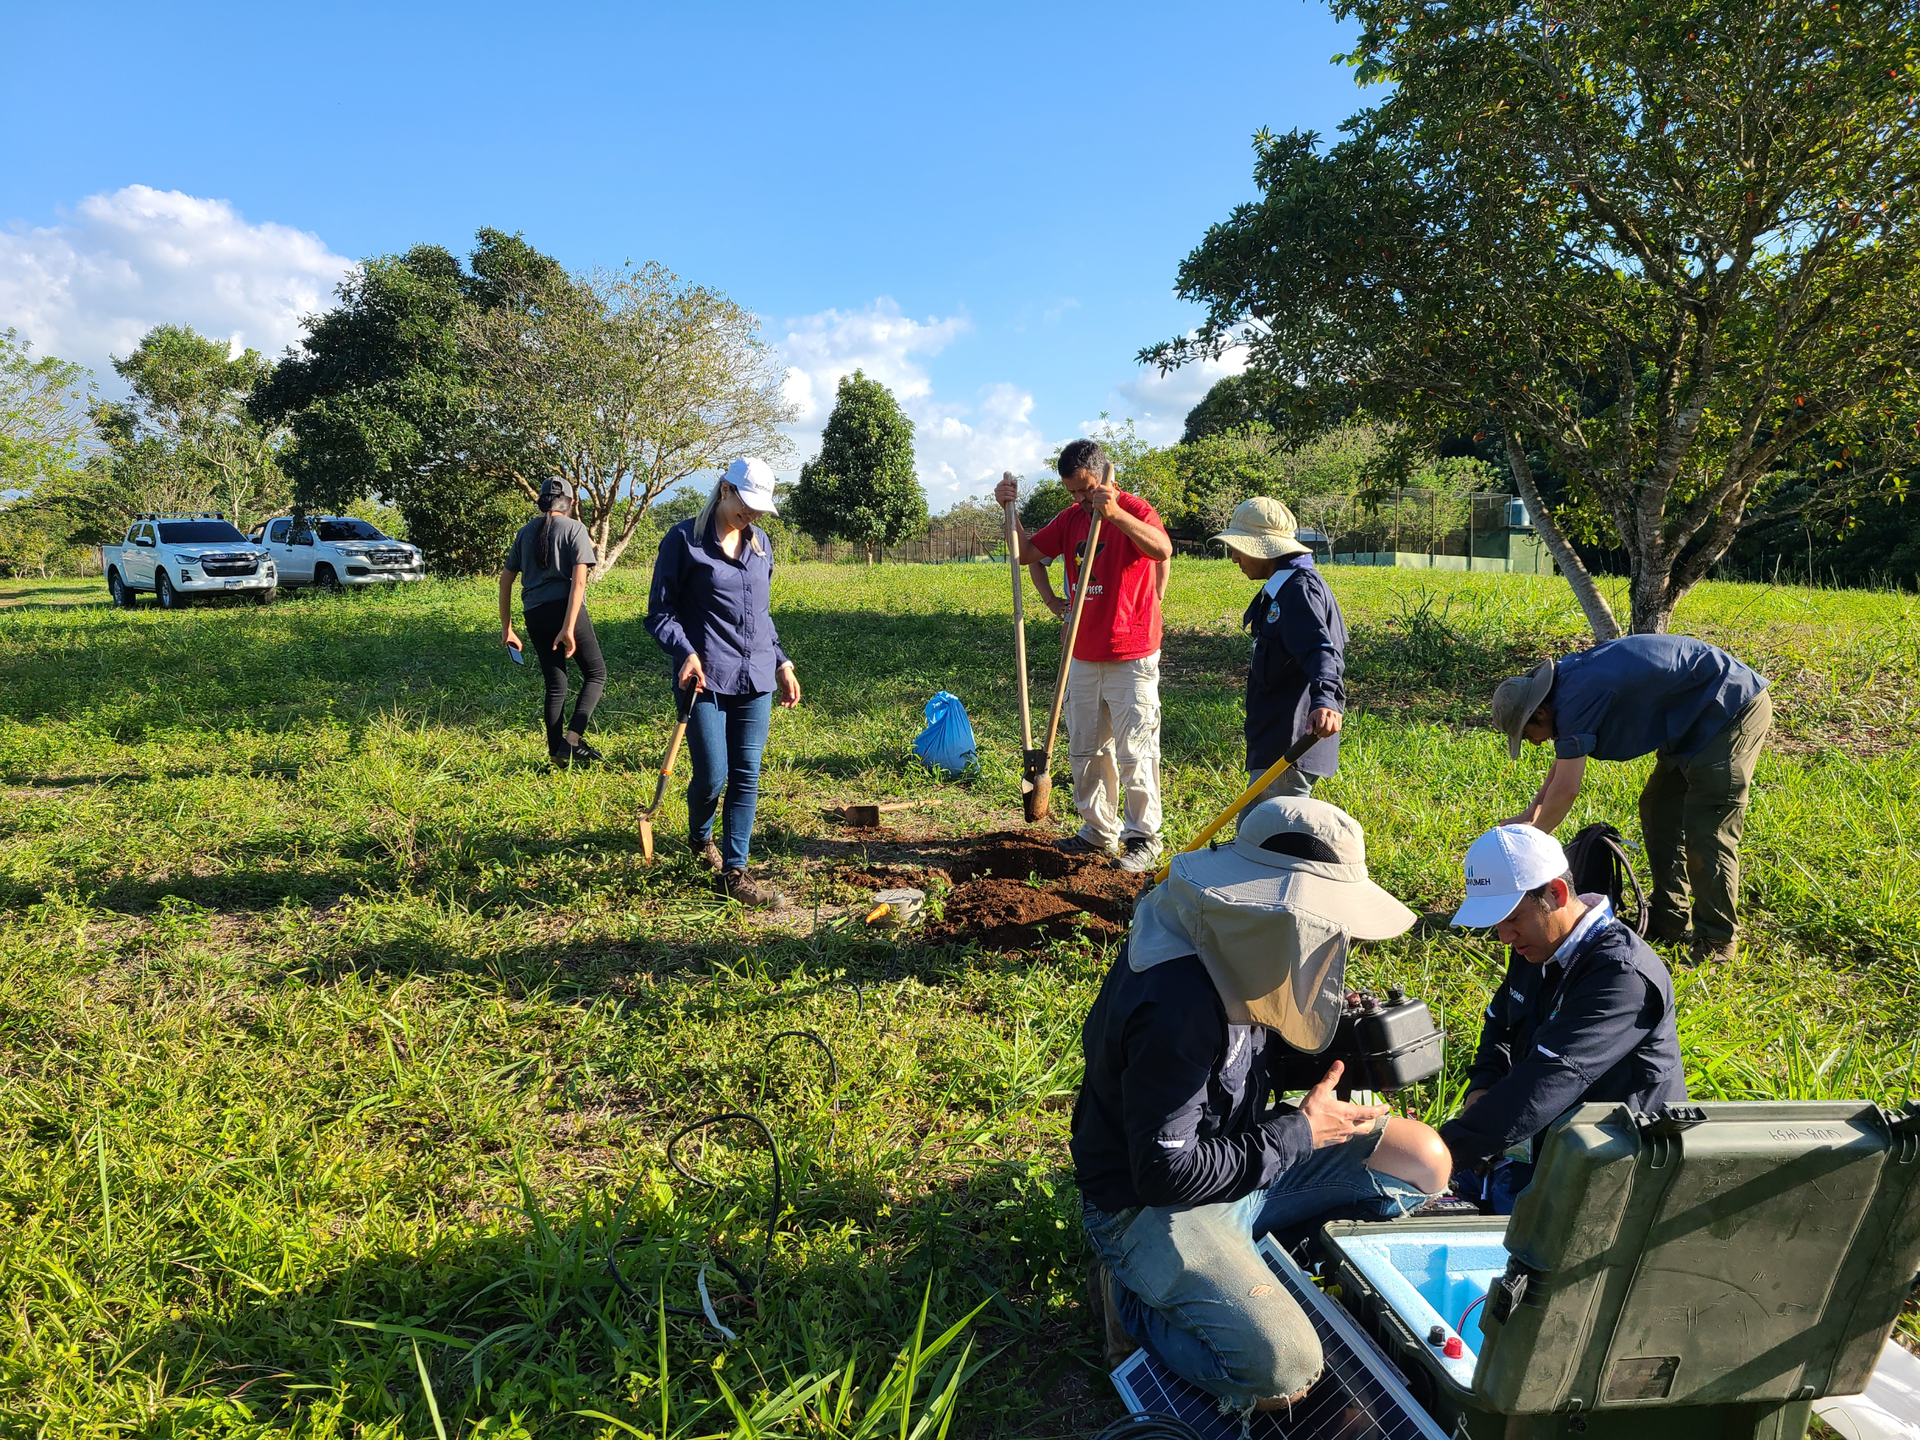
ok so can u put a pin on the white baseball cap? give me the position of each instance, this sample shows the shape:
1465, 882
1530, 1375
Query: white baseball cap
1502, 866
753, 478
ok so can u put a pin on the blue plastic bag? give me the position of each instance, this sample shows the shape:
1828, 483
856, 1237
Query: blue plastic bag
947, 743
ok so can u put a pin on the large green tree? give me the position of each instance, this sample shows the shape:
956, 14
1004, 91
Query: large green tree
861, 487
627, 383
44, 405
1670, 245
382, 399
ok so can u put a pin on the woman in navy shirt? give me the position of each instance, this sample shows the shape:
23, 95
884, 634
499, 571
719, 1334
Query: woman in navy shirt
708, 609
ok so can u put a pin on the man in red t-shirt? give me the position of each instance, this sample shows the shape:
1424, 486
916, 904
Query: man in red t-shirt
1113, 688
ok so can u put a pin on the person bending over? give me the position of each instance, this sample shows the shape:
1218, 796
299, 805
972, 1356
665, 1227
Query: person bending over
1113, 687
553, 555
1584, 1012
1295, 680
1702, 715
1181, 1162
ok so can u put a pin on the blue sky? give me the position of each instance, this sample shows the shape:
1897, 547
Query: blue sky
984, 205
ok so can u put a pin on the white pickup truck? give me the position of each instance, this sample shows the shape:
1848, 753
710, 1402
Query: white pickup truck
184, 557
336, 552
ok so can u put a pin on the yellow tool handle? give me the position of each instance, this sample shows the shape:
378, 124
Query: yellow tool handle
1247, 796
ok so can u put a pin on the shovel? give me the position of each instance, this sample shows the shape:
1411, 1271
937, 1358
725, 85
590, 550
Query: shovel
1040, 761
660, 785
1036, 786
1247, 796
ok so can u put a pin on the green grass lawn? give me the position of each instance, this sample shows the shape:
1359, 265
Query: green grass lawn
344, 1038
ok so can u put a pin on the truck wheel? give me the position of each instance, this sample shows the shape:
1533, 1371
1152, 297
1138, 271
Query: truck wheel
163, 591
325, 579
122, 593
265, 597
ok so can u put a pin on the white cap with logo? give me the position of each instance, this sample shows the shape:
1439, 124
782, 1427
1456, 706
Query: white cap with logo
754, 479
1502, 866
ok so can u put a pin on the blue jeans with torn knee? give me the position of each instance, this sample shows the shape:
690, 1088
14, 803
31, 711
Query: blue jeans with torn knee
1192, 1288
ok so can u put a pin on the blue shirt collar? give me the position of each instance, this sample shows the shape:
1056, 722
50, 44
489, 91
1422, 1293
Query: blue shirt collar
1599, 913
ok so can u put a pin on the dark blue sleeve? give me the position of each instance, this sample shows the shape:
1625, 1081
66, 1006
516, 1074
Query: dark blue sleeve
1316, 637
1171, 1048
1494, 1059
663, 596
779, 655
1609, 1008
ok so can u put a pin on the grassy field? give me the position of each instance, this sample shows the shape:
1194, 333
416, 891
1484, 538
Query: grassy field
343, 1038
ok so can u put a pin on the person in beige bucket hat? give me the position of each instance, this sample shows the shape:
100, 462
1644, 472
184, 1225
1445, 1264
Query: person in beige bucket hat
1296, 679
1234, 967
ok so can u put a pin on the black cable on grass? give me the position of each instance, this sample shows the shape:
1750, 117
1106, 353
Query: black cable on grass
724, 1117
1150, 1426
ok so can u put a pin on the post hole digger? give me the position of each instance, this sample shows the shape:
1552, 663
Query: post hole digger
1036, 779
1246, 797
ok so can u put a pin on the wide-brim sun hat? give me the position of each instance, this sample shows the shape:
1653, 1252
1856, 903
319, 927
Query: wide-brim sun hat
1270, 916
1264, 529
753, 479
1516, 698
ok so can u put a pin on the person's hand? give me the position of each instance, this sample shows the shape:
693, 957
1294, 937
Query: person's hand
1006, 492
1472, 1096
565, 643
692, 675
1100, 498
1057, 605
509, 639
1334, 1121
1324, 722
788, 684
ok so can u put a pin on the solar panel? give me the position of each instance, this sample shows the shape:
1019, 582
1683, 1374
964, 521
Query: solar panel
1361, 1396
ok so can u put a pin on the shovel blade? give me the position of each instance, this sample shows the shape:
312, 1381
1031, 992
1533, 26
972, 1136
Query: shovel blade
646, 839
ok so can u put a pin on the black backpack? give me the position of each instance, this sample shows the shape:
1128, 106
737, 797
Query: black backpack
1597, 858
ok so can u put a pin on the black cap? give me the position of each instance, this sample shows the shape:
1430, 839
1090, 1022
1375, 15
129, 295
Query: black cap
555, 488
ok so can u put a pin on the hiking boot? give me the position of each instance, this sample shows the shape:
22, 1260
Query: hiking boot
1706, 952
707, 855
1116, 1343
744, 888
1077, 846
1142, 852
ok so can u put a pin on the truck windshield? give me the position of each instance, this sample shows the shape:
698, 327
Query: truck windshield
346, 529
199, 532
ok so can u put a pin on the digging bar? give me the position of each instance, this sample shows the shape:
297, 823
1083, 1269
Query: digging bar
1247, 796
1036, 786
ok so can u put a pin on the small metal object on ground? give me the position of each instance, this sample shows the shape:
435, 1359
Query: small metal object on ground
896, 907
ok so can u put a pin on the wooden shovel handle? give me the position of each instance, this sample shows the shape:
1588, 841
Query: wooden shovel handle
1073, 633
1019, 625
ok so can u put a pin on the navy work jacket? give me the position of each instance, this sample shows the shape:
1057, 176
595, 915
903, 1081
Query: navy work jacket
1172, 1110
1600, 1027
705, 602
1299, 666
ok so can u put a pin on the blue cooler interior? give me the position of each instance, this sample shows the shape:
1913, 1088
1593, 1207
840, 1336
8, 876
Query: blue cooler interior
1434, 1277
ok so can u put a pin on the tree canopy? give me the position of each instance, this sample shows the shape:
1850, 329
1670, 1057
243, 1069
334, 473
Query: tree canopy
861, 487
1670, 247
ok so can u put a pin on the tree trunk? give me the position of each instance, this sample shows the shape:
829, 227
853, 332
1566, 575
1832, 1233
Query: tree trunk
1592, 603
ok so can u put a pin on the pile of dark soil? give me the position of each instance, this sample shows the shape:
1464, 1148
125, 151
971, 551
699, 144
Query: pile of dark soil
1012, 891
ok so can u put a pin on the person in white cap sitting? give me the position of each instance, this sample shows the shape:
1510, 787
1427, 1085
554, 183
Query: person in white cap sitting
1296, 679
709, 609
1235, 963
1584, 1012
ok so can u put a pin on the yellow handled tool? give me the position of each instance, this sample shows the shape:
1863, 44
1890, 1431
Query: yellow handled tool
1247, 796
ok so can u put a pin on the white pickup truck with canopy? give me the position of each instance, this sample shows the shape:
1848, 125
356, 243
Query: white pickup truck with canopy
182, 558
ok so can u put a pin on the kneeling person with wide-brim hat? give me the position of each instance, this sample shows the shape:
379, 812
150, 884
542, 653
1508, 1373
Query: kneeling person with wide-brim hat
1235, 961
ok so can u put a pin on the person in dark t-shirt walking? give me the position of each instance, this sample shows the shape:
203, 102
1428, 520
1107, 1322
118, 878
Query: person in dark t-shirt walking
552, 555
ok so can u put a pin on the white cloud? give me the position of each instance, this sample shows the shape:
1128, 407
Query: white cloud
1158, 404
124, 262
960, 448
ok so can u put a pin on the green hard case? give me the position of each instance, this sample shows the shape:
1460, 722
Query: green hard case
1706, 1273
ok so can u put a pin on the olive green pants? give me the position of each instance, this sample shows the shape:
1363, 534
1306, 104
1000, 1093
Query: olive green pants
1691, 816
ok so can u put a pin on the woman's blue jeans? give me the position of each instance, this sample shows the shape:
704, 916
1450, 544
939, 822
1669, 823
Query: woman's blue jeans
725, 735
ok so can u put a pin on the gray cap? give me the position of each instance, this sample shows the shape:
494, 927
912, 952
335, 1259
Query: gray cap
1515, 700
555, 488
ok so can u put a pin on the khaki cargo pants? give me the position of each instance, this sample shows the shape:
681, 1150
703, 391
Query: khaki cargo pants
1113, 743
1691, 816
